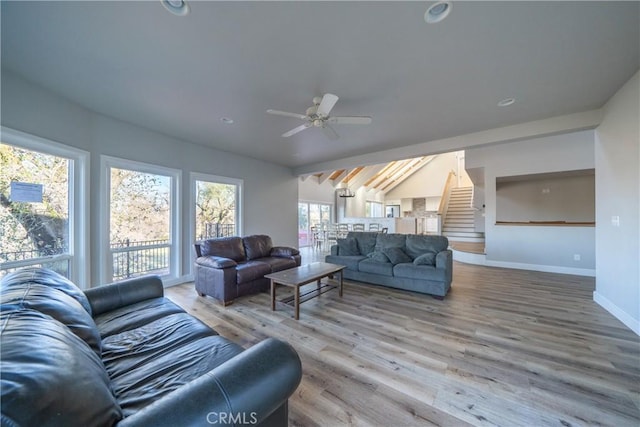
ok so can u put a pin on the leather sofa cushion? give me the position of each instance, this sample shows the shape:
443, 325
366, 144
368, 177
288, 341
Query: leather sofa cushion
417, 245
226, 247
251, 270
134, 315
278, 264
216, 262
371, 266
151, 361
257, 246
419, 272
59, 299
48, 278
284, 251
50, 376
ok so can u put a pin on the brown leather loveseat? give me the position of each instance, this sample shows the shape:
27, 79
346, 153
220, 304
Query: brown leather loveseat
230, 267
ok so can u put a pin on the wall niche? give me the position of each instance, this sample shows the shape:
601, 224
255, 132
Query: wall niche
558, 198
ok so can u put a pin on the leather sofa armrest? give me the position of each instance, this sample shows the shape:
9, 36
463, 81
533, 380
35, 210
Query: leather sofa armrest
215, 261
284, 252
119, 294
248, 387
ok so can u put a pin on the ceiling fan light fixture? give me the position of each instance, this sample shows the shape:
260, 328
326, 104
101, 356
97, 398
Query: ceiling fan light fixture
437, 12
177, 7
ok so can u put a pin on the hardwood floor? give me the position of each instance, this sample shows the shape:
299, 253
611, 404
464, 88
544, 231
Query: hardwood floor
505, 347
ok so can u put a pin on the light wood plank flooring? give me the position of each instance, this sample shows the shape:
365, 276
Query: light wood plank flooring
505, 348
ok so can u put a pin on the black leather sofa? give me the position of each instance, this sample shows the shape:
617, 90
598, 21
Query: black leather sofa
122, 354
230, 267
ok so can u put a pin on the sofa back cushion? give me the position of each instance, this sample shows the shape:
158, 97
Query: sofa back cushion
419, 244
366, 240
54, 295
348, 247
226, 247
394, 240
49, 375
257, 246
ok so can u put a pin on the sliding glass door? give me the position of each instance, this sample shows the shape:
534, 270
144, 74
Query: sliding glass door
311, 215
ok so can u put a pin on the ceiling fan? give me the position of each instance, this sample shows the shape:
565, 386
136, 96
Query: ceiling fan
318, 116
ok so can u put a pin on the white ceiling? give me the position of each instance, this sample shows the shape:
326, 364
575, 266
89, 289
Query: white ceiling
419, 82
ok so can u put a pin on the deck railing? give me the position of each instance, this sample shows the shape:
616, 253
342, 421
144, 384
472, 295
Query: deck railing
136, 258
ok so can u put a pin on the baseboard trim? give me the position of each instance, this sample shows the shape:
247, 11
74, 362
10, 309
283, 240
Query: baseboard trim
617, 312
544, 268
177, 281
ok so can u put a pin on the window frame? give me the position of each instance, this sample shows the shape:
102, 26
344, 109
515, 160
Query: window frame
215, 179
105, 269
79, 255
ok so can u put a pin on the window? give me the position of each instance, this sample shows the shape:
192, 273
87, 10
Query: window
141, 226
373, 209
42, 206
216, 206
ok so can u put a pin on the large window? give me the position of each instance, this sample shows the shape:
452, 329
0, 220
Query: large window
42, 206
216, 209
142, 220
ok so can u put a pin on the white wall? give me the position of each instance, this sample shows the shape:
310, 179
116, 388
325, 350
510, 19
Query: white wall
617, 156
310, 191
535, 247
270, 191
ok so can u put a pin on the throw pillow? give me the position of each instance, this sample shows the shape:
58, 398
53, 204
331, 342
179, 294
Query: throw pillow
396, 255
426, 259
348, 247
378, 256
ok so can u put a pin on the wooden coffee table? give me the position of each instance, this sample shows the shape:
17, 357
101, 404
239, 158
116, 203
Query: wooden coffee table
299, 276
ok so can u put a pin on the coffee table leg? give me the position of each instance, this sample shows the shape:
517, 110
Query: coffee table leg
318, 287
297, 302
273, 295
340, 292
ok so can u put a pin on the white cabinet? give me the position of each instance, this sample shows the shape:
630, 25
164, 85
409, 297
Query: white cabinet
406, 205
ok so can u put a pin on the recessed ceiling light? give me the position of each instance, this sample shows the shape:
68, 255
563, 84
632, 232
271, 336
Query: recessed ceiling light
437, 12
177, 7
506, 102
226, 120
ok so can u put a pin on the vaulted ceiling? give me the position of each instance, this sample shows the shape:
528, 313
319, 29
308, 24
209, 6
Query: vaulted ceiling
380, 178
421, 83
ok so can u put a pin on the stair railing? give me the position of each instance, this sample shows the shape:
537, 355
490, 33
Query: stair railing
444, 200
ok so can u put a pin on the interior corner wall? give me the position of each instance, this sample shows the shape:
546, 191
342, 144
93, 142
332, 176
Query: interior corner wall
269, 202
541, 248
617, 156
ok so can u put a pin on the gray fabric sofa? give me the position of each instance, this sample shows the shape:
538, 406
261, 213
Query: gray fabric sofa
229, 267
417, 263
122, 354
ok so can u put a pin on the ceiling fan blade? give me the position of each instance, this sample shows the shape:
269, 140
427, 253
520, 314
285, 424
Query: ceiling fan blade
327, 103
287, 114
329, 132
350, 120
296, 130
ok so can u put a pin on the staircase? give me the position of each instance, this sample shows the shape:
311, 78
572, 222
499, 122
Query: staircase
459, 220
